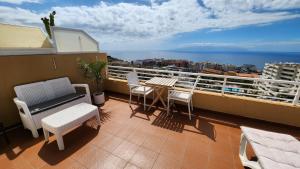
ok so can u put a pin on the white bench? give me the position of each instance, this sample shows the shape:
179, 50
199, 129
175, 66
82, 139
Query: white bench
273, 150
65, 120
41, 99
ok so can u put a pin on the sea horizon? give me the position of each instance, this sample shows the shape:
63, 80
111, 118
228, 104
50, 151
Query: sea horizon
237, 58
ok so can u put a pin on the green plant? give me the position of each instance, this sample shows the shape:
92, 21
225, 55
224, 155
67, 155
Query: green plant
49, 22
94, 71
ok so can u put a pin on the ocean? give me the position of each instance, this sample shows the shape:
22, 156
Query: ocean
235, 58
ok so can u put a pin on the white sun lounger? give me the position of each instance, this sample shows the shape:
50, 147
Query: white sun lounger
273, 150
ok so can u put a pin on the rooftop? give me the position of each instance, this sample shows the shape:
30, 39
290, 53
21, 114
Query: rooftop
129, 138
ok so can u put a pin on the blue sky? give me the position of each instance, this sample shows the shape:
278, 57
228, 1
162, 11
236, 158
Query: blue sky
254, 25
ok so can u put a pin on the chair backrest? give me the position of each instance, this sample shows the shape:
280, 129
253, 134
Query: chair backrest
132, 79
195, 84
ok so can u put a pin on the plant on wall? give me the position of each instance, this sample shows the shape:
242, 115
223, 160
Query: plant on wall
49, 22
94, 71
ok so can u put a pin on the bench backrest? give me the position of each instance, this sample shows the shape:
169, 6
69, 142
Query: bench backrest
39, 92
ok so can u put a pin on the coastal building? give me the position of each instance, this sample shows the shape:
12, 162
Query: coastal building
280, 71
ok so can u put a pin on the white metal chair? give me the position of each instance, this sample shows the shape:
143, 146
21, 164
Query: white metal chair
136, 88
182, 96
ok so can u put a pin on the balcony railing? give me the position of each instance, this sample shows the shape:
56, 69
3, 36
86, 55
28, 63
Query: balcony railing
269, 89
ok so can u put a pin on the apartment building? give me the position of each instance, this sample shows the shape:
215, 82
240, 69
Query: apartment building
280, 71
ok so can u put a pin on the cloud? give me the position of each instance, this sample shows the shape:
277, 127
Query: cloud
250, 5
19, 16
120, 22
20, 1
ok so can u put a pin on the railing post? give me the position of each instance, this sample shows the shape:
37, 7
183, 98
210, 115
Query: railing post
297, 97
224, 85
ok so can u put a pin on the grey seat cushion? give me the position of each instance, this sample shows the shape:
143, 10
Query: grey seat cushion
59, 87
35, 109
33, 93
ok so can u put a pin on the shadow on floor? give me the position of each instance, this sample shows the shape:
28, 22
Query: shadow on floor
104, 115
73, 141
21, 139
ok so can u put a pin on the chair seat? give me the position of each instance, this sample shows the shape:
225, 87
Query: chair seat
142, 90
180, 95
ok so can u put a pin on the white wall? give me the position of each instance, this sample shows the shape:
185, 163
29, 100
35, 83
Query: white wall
73, 40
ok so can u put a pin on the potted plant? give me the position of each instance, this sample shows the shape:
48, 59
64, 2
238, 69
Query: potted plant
94, 71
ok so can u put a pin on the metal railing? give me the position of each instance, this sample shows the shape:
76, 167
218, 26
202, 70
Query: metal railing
269, 89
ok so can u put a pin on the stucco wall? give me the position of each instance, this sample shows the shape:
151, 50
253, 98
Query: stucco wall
70, 40
283, 113
13, 36
16, 70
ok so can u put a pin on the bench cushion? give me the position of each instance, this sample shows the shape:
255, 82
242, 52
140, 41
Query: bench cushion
274, 150
59, 87
33, 93
54, 103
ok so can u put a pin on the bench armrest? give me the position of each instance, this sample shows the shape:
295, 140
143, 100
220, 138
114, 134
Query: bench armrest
87, 89
21, 105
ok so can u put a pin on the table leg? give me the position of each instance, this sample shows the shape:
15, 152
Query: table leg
60, 141
162, 100
159, 92
98, 118
46, 134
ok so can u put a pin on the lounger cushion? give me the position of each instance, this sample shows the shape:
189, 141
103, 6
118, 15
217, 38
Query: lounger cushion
274, 150
54, 103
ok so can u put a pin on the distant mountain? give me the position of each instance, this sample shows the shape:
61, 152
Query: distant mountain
112, 59
210, 49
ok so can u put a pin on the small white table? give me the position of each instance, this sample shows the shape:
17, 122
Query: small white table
65, 120
160, 85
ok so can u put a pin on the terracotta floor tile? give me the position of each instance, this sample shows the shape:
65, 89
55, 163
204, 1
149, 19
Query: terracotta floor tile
209, 141
92, 157
102, 138
131, 166
31, 155
174, 149
111, 144
126, 150
16, 164
125, 132
166, 162
137, 137
111, 162
112, 127
195, 161
67, 164
219, 161
154, 143
217, 164
144, 158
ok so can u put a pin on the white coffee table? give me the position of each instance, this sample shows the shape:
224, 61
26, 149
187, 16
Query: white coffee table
66, 120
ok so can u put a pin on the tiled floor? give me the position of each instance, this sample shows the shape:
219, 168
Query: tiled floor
129, 138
